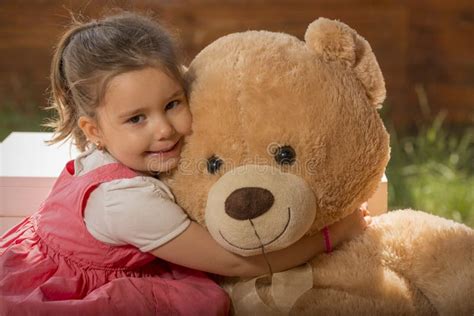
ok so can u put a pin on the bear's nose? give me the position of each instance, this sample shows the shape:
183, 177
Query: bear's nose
248, 203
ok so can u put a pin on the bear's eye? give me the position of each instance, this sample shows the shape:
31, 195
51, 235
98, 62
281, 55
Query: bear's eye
285, 155
214, 164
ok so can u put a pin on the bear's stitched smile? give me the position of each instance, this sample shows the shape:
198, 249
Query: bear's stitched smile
263, 244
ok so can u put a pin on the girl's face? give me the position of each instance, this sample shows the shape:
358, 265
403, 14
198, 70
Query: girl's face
144, 119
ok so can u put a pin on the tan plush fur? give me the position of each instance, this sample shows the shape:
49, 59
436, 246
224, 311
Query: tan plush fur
255, 92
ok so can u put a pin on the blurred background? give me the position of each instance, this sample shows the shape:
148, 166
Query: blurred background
425, 49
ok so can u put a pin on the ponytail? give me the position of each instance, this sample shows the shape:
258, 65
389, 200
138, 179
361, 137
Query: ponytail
62, 101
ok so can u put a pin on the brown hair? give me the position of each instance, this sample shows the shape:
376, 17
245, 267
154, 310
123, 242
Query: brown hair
89, 54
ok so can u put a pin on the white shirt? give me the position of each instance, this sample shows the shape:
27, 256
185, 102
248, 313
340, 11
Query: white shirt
140, 211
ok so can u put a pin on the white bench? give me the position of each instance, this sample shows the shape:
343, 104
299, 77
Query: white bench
29, 167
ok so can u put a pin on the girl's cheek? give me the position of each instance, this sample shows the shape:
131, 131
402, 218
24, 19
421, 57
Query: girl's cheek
189, 120
133, 137
188, 129
181, 123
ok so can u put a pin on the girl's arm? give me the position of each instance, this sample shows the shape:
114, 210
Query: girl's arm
195, 248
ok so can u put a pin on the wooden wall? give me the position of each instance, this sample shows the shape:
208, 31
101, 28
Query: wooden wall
425, 47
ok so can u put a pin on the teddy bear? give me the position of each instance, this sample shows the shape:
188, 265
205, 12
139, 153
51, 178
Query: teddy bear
287, 140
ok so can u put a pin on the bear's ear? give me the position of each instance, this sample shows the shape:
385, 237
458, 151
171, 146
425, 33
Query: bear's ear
335, 41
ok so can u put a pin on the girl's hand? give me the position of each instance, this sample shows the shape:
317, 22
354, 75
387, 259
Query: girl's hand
350, 226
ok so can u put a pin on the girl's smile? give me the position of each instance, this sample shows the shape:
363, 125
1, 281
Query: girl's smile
168, 152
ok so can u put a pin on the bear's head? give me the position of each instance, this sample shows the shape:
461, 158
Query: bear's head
286, 135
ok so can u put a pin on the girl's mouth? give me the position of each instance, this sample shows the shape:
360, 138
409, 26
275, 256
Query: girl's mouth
165, 154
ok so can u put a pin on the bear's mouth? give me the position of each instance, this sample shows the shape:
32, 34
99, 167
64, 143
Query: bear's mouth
258, 237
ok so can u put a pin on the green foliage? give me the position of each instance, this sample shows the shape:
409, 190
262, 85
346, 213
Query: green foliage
26, 119
433, 171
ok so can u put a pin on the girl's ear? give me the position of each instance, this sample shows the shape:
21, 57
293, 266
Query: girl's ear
334, 41
91, 129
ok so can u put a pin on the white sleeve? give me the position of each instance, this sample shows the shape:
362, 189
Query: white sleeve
137, 211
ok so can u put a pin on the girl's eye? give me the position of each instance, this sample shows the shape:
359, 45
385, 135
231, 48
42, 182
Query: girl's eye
136, 119
172, 105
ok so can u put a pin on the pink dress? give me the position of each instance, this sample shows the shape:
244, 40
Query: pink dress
51, 265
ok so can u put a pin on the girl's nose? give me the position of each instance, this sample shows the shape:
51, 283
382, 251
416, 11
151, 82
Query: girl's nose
163, 129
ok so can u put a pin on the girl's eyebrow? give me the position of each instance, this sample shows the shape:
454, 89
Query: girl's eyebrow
177, 93
131, 113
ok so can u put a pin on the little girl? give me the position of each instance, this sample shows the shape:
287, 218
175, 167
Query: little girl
109, 238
